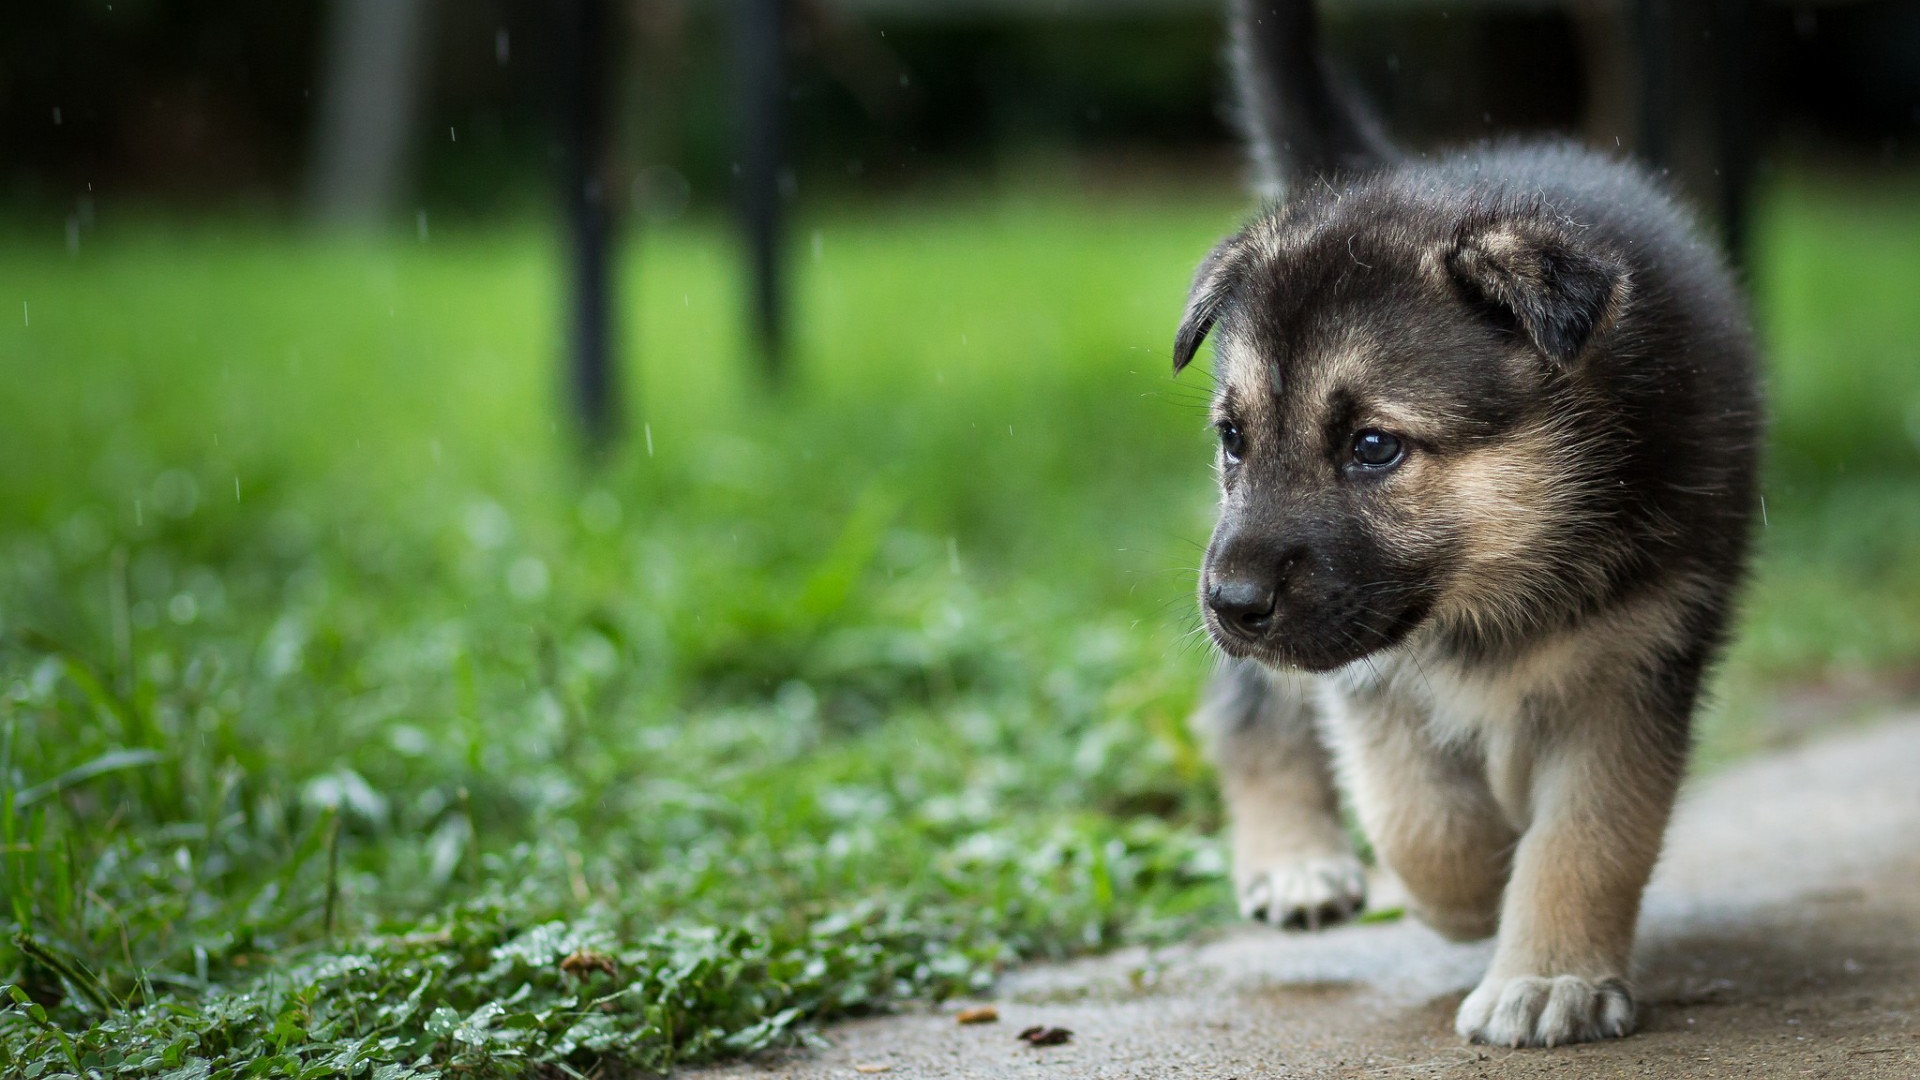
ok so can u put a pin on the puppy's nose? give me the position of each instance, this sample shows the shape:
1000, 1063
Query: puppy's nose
1242, 604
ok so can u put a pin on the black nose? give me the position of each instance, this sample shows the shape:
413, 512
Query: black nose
1242, 604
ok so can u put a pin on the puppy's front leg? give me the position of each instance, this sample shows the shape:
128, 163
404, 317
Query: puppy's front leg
1292, 863
1602, 787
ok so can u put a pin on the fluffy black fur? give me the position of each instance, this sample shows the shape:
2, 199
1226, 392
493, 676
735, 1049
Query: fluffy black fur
1638, 334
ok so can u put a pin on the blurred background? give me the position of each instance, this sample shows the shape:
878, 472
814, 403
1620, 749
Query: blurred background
490, 486
215, 105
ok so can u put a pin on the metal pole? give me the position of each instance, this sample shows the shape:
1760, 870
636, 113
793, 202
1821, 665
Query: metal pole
761, 33
586, 41
371, 96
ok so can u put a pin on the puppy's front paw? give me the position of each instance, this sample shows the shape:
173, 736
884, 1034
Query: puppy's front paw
1305, 894
1534, 1010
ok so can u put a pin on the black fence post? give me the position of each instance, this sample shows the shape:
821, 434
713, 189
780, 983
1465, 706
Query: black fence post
583, 60
761, 41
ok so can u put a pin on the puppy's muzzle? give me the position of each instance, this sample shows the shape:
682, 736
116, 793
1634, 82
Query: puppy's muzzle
1243, 606
1247, 585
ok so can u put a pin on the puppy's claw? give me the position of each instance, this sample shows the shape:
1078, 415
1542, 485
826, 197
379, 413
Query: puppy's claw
1306, 895
1256, 898
1532, 1010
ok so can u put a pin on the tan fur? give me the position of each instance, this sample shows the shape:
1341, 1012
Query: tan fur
1509, 507
1427, 809
1530, 802
1293, 864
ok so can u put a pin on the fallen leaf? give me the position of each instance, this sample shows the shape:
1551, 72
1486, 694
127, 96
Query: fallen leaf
580, 962
978, 1014
1040, 1035
872, 1067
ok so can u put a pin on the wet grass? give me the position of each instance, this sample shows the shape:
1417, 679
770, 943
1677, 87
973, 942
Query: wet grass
350, 726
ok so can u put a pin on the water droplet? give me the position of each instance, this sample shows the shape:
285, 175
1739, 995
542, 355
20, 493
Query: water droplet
183, 608
527, 578
176, 493
487, 525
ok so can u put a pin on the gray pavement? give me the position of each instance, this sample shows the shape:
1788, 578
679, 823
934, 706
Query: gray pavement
1781, 937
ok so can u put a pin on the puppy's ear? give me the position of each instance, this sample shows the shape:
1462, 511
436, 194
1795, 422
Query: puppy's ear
1213, 286
1556, 287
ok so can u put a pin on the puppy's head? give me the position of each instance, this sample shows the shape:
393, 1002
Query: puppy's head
1394, 388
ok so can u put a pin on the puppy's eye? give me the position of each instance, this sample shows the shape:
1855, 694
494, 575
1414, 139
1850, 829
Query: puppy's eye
1232, 442
1377, 450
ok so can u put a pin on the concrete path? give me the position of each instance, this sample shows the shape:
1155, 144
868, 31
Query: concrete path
1781, 938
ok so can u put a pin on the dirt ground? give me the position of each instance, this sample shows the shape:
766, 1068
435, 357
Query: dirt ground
1781, 938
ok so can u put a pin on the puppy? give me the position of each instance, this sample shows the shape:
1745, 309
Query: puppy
1488, 428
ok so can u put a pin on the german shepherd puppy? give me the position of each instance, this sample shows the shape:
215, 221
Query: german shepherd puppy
1488, 428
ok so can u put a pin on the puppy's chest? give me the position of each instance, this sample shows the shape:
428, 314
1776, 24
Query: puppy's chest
1489, 717
1461, 701
1454, 704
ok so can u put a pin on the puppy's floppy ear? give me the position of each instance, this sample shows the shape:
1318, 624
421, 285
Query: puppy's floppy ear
1213, 286
1557, 287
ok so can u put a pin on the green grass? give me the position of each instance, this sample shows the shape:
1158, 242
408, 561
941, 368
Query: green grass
349, 726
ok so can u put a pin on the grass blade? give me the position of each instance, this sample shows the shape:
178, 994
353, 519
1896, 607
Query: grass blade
111, 762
